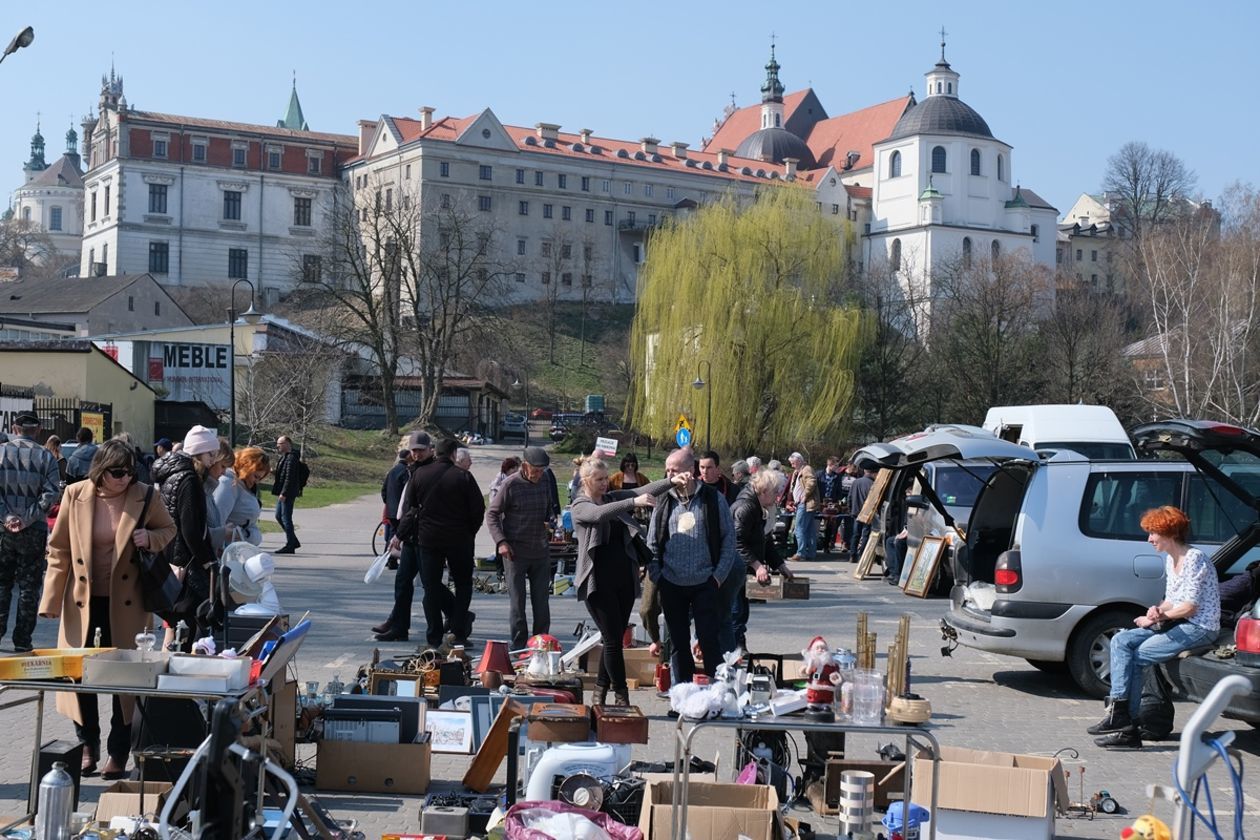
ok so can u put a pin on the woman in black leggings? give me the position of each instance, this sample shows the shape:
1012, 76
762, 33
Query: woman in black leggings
607, 564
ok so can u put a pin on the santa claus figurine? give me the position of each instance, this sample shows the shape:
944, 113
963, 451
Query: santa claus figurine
820, 669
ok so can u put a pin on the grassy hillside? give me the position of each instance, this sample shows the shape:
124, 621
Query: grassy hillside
565, 382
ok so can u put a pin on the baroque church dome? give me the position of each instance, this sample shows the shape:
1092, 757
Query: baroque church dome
941, 115
775, 145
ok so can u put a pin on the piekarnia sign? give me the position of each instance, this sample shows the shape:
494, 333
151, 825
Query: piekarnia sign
191, 372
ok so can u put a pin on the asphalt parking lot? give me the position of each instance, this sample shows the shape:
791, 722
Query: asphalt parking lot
979, 700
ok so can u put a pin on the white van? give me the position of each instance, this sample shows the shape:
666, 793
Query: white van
1091, 430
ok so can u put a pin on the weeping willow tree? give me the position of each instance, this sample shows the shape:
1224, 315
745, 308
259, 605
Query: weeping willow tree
756, 291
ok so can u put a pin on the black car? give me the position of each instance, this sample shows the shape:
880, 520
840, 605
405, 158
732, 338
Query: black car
1228, 457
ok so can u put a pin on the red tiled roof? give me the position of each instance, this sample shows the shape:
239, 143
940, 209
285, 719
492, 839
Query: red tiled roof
855, 191
744, 121
224, 125
450, 128
832, 139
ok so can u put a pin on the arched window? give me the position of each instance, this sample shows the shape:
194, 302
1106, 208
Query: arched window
1001, 169
938, 87
949, 88
777, 117
966, 252
975, 161
894, 165
997, 249
938, 158
1036, 233
896, 255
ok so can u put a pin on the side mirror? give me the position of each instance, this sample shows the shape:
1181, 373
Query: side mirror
917, 502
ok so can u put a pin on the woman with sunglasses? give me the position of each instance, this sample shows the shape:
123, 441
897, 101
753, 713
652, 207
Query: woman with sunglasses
92, 584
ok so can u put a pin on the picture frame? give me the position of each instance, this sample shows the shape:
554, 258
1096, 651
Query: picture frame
923, 570
883, 479
873, 542
396, 685
450, 732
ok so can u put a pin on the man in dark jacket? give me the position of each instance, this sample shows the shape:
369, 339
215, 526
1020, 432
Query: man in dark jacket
81, 458
392, 490
444, 512
397, 627
286, 489
711, 474
754, 549
858, 492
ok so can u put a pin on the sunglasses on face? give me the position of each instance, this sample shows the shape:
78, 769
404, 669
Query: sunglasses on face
120, 472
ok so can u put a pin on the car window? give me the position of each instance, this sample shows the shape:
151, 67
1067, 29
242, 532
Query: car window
1115, 501
958, 487
1093, 451
1216, 515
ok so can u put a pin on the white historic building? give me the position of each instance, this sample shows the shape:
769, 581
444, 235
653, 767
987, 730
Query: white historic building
944, 190
194, 201
51, 195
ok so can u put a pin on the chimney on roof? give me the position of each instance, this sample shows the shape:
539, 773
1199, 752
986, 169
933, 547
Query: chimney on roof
426, 117
366, 129
649, 145
789, 168
723, 154
547, 131
679, 150
585, 134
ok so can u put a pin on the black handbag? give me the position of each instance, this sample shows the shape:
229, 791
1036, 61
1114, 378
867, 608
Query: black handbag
160, 589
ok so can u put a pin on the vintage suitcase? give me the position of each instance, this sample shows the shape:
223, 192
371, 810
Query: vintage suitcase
778, 589
561, 722
565, 689
619, 725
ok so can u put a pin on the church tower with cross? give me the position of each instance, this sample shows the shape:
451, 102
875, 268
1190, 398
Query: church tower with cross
945, 193
50, 198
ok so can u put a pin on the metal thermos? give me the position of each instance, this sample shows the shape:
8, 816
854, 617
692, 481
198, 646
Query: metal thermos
56, 802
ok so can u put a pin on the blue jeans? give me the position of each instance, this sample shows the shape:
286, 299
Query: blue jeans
806, 533
284, 516
728, 608
1133, 650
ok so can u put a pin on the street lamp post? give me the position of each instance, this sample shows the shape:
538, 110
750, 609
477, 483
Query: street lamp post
517, 384
22, 39
251, 317
708, 412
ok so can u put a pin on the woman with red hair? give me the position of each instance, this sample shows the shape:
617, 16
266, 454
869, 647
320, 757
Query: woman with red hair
1188, 617
236, 497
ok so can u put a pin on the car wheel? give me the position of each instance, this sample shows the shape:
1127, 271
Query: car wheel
1089, 651
1048, 666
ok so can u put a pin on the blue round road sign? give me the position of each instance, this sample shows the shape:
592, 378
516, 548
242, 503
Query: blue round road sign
683, 437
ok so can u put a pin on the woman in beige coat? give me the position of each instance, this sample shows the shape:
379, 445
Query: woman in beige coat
93, 582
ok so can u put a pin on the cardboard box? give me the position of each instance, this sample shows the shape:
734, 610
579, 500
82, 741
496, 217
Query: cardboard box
1003, 796
284, 720
714, 811
779, 589
372, 768
641, 665
122, 799
125, 669
46, 663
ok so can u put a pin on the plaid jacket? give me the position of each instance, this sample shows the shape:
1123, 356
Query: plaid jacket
30, 483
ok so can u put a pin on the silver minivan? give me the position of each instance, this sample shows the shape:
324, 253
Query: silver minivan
1053, 561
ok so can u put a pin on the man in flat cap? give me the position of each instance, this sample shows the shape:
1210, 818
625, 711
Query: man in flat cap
30, 484
517, 520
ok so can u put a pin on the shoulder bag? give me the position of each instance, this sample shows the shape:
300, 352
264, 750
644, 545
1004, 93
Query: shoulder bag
160, 589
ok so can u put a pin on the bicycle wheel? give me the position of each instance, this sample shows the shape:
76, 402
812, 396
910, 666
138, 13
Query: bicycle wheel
378, 539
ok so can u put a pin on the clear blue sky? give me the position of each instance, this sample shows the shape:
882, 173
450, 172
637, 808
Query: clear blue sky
1064, 84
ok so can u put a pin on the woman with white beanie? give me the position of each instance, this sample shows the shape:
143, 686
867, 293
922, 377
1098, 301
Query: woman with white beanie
181, 478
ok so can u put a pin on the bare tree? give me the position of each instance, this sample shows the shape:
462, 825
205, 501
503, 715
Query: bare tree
984, 326
588, 280
357, 271
556, 255
286, 387
1145, 184
452, 278
26, 247
896, 310
1081, 349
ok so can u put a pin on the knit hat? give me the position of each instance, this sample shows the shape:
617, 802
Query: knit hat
200, 440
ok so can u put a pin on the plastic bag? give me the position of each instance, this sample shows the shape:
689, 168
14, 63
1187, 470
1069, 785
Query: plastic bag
373, 574
554, 820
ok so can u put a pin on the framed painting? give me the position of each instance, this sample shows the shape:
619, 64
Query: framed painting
396, 685
873, 543
450, 732
871, 506
923, 570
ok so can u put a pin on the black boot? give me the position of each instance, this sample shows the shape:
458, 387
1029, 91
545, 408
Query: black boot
622, 697
1116, 718
1125, 739
599, 696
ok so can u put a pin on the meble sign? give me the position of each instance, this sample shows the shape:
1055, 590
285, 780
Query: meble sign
191, 372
